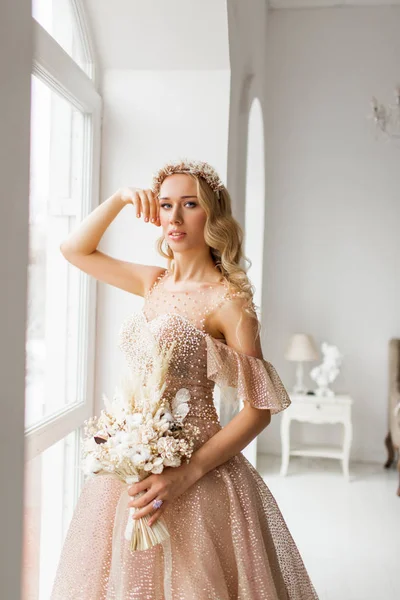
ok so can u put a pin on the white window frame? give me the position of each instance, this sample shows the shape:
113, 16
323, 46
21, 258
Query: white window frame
53, 66
86, 39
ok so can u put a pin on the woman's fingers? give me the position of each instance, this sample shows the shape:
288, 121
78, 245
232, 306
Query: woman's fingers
152, 206
158, 220
141, 486
137, 203
146, 510
157, 514
143, 500
144, 201
145, 205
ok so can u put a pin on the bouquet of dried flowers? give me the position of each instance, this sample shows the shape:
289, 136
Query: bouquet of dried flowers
138, 433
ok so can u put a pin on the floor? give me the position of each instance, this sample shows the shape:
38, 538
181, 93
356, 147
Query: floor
348, 533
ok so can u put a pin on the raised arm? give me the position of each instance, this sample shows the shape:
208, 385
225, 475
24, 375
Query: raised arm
80, 247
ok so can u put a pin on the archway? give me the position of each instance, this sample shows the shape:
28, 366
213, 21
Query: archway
255, 216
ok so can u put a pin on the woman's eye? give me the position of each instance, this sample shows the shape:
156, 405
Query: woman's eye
168, 205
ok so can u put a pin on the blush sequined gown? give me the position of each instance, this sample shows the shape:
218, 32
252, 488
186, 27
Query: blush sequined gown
228, 539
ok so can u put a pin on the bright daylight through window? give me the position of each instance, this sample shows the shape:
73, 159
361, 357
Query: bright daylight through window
60, 318
53, 286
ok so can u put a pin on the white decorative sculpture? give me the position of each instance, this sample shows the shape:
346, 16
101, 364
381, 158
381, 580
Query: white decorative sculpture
328, 370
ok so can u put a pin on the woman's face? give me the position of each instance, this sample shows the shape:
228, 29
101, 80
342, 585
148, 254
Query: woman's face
180, 211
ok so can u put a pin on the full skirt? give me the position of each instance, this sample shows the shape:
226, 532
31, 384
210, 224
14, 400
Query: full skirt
228, 541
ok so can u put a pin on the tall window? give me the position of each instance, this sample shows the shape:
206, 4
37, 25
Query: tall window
53, 335
65, 138
61, 19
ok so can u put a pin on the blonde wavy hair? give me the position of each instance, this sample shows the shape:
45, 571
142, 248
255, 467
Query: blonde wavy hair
224, 236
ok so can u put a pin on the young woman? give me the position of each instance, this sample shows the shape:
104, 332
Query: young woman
228, 540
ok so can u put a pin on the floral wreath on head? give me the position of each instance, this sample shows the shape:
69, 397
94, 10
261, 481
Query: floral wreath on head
194, 167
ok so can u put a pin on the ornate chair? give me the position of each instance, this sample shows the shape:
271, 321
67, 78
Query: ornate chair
392, 439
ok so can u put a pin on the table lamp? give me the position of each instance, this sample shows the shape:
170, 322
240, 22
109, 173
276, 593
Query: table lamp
301, 348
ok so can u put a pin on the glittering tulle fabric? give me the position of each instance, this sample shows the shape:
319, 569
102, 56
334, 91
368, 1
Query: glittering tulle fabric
228, 539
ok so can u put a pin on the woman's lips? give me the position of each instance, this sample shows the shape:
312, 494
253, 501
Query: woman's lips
176, 236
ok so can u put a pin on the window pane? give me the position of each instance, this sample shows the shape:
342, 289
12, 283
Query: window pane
54, 286
52, 484
58, 18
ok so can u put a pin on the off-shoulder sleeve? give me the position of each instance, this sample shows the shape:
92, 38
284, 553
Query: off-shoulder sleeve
256, 380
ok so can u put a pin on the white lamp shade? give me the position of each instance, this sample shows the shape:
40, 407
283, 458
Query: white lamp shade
301, 347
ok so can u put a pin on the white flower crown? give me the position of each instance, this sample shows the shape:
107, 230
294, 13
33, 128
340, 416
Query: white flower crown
195, 167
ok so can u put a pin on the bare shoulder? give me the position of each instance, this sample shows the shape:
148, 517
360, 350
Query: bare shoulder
238, 327
150, 276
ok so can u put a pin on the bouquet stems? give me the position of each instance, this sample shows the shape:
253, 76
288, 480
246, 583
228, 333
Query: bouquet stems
141, 535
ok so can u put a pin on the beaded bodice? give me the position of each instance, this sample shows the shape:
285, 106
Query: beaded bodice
170, 316
198, 360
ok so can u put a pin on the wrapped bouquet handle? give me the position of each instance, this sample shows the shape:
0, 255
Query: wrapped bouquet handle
141, 535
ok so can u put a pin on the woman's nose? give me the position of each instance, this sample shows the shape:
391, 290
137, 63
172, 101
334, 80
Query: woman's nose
176, 216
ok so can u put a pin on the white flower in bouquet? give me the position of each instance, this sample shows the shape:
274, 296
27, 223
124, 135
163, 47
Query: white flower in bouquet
134, 420
92, 465
138, 433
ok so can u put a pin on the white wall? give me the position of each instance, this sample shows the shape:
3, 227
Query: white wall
333, 210
15, 75
155, 34
150, 117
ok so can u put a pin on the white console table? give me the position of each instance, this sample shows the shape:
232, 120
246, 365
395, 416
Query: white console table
321, 410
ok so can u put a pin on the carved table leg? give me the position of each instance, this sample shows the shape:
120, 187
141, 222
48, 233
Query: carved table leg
390, 449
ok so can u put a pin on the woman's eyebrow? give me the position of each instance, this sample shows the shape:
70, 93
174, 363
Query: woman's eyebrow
182, 197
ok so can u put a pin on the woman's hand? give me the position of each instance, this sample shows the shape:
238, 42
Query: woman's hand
144, 202
166, 486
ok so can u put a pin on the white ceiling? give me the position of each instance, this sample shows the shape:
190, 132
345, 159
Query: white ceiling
159, 34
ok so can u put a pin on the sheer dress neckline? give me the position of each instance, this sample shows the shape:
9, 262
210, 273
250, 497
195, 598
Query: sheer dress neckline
159, 288
167, 273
